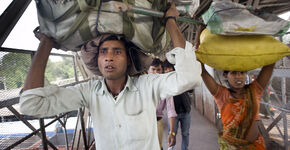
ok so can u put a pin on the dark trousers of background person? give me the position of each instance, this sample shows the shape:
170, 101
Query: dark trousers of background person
184, 120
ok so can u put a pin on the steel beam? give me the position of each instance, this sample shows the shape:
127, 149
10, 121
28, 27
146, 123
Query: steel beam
75, 69
83, 127
44, 139
15, 50
20, 117
9, 102
63, 123
79, 138
31, 134
284, 102
274, 123
285, 72
10, 17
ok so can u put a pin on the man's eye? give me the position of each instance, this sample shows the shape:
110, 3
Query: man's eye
117, 52
102, 51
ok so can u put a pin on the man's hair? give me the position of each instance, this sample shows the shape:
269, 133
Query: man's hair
167, 64
114, 37
156, 62
226, 72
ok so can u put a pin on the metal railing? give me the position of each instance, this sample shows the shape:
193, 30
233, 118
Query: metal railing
9, 103
282, 107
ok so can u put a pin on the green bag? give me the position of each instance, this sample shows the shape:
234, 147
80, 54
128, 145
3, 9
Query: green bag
77, 21
229, 18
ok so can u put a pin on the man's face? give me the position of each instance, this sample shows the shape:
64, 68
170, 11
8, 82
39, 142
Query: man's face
168, 69
155, 69
112, 60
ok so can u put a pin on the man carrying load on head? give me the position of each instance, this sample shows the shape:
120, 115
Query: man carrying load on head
122, 106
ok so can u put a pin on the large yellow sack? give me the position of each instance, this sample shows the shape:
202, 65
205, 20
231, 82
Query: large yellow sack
239, 53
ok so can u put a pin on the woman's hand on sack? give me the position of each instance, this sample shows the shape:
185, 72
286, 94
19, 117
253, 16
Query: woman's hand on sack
172, 11
197, 36
45, 39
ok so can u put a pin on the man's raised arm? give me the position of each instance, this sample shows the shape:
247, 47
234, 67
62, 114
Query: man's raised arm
187, 74
177, 37
35, 76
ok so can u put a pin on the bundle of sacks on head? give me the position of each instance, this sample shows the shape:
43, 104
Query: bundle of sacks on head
74, 23
237, 39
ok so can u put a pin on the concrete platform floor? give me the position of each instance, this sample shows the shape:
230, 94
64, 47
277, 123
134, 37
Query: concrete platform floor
202, 136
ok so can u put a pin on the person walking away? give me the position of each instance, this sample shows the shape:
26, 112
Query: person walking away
182, 105
156, 68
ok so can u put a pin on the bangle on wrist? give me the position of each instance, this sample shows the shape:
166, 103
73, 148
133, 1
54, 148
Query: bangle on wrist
169, 17
172, 133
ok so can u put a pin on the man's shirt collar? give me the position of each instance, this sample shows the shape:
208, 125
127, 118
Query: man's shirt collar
129, 86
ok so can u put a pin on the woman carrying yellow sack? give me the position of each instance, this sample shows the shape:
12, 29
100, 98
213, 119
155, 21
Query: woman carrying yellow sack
239, 107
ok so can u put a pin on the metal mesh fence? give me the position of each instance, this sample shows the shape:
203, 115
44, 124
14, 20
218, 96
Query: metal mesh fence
273, 97
277, 132
29, 143
60, 70
13, 131
14, 67
13, 71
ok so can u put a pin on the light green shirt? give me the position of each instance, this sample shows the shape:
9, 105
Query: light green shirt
129, 122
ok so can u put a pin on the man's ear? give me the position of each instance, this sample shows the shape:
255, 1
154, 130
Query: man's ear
225, 75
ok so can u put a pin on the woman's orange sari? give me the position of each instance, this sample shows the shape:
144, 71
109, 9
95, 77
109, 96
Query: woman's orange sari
237, 116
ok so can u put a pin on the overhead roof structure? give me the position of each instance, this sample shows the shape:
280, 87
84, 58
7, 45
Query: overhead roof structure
13, 12
272, 6
10, 17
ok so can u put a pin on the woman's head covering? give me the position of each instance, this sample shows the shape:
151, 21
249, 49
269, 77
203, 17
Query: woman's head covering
139, 61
